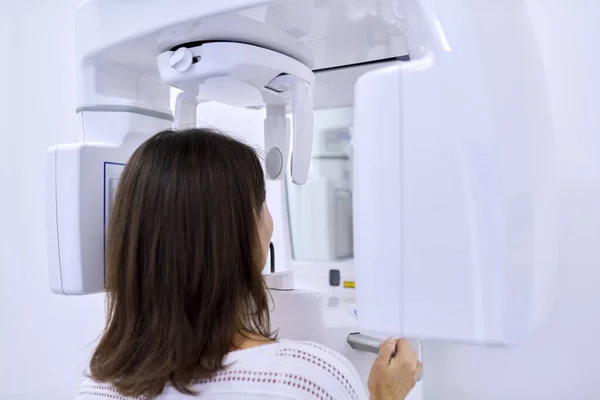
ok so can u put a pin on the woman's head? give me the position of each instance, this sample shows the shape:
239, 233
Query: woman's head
188, 237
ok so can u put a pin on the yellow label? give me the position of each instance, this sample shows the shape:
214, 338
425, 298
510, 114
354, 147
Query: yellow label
349, 284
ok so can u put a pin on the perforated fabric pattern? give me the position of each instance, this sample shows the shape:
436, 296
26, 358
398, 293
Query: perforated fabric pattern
328, 367
93, 390
284, 370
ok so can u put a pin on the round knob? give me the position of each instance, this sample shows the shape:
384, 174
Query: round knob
181, 60
274, 163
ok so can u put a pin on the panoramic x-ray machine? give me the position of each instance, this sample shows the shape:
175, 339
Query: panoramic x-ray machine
454, 235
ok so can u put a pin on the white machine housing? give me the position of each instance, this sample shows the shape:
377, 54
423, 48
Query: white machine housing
453, 202
461, 236
81, 180
248, 76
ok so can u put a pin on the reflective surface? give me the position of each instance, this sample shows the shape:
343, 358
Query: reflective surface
320, 211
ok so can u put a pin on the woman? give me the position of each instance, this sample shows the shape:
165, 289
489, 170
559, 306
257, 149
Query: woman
187, 305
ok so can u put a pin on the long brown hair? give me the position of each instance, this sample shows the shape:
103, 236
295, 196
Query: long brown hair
183, 273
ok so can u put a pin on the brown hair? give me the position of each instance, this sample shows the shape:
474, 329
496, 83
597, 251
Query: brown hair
183, 272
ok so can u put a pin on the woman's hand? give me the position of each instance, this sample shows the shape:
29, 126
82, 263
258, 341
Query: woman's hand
395, 371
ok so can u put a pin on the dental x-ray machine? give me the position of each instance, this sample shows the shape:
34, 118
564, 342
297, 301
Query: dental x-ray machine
454, 235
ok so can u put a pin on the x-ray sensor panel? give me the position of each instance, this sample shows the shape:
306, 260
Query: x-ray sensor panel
82, 180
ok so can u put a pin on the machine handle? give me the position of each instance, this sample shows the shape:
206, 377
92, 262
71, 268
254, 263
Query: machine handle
277, 141
185, 111
303, 104
360, 342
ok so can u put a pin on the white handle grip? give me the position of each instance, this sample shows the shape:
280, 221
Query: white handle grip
277, 141
185, 111
303, 131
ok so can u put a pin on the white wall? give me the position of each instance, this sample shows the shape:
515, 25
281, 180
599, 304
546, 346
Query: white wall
562, 360
43, 337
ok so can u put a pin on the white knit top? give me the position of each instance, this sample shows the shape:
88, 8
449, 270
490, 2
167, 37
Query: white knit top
281, 370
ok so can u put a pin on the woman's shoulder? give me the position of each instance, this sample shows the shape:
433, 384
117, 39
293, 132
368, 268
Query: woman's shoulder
296, 351
323, 366
300, 369
311, 351
89, 389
